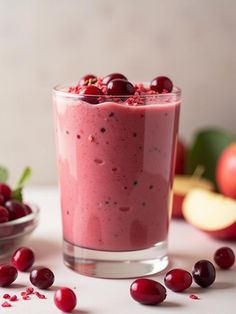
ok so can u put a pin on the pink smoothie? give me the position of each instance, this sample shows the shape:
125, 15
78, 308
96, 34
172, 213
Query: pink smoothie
115, 171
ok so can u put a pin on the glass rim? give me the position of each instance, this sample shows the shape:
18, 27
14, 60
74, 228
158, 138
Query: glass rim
58, 90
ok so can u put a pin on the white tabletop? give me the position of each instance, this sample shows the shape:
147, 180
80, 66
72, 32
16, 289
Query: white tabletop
101, 296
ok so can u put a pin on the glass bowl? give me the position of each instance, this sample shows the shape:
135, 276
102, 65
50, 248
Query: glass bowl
13, 233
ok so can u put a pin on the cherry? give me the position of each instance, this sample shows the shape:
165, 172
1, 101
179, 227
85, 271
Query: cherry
178, 280
147, 291
87, 78
4, 214
8, 274
16, 209
2, 199
91, 94
5, 191
65, 299
204, 273
42, 277
161, 84
224, 257
23, 258
120, 87
113, 76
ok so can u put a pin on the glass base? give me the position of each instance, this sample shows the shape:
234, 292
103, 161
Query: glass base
106, 264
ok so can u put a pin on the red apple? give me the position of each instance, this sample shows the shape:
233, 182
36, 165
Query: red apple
182, 186
226, 171
211, 212
180, 160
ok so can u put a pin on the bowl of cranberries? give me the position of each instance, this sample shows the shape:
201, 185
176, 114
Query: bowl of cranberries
17, 218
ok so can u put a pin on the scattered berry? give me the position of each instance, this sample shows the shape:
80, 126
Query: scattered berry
39, 295
16, 209
147, 291
13, 298
224, 257
8, 274
6, 296
161, 84
65, 299
204, 273
178, 280
4, 214
23, 258
42, 277
5, 191
113, 76
86, 79
6, 304
120, 87
91, 94
29, 290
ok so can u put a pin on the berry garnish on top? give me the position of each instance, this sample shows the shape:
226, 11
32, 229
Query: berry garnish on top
161, 84
112, 76
88, 79
120, 87
91, 94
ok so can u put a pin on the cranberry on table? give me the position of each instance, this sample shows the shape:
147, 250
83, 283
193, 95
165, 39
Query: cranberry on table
224, 257
120, 87
8, 275
42, 277
204, 273
5, 191
91, 94
147, 291
113, 76
4, 214
161, 84
87, 78
23, 258
16, 209
178, 280
65, 299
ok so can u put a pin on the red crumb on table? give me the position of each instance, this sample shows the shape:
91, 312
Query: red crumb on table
6, 296
23, 293
6, 304
194, 297
29, 290
13, 298
25, 297
39, 295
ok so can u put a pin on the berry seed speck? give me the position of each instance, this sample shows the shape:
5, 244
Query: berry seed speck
103, 130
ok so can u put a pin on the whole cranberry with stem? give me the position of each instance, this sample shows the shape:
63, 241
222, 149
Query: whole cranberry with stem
8, 275
65, 299
88, 78
113, 76
4, 214
120, 87
2, 200
42, 277
204, 273
161, 84
23, 258
147, 291
178, 280
224, 257
16, 209
5, 191
91, 94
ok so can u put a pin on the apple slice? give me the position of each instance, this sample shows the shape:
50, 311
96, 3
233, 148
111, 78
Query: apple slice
211, 212
183, 185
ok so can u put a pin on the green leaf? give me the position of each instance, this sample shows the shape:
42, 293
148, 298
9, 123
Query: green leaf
4, 174
17, 195
25, 176
206, 149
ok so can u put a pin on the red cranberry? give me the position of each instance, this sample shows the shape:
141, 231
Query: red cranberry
113, 76
147, 291
65, 299
42, 277
23, 258
120, 87
16, 209
224, 257
8, 274
2, 199
87, 78
4, 214
178, 280
204, 273
5, 191
91, 94
28, 209
161, 84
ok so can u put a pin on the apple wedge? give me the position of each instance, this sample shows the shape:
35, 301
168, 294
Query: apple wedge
211, 212
183, 185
